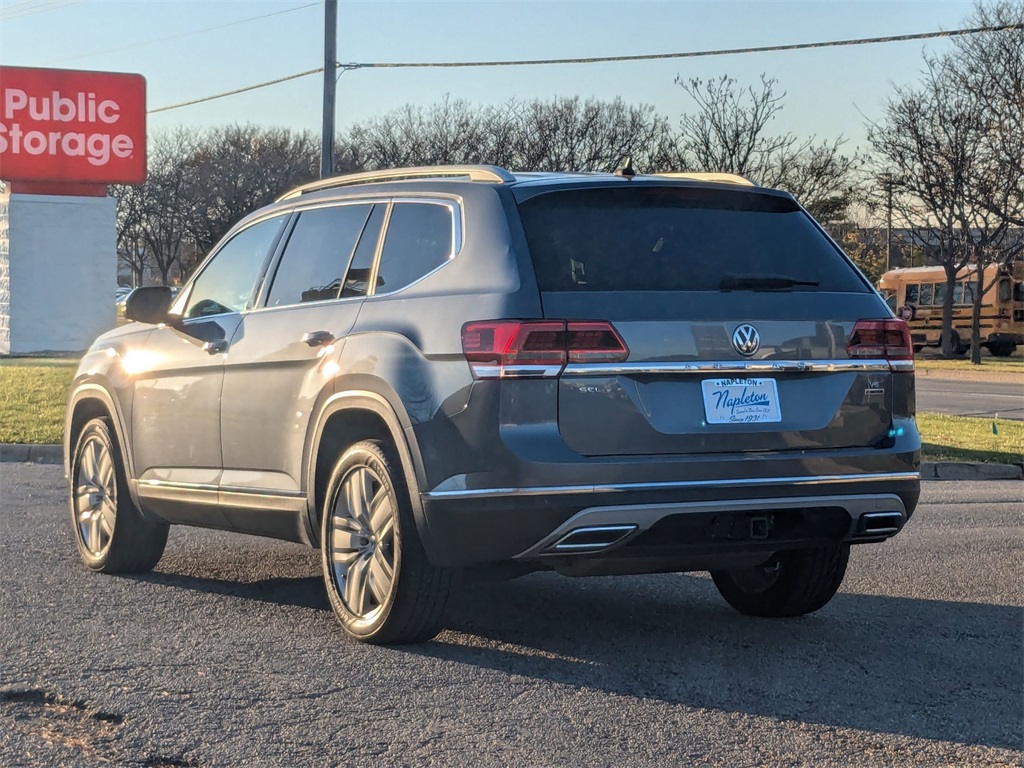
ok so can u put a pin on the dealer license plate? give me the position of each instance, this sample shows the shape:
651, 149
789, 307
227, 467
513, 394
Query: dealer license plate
741, 401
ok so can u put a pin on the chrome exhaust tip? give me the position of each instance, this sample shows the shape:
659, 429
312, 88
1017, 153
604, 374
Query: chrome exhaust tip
874, 524
591, 539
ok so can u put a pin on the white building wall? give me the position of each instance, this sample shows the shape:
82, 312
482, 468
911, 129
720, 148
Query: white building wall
5, 272
61, 272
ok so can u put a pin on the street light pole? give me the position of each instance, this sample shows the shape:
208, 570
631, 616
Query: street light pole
330, 80
888, 221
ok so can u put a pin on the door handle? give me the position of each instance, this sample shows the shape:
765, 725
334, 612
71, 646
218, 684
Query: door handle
317, 338
216, 347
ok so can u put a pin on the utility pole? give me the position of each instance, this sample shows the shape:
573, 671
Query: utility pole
888, 221
330, 80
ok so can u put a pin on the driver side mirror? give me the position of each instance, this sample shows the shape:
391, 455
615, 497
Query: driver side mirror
149, 305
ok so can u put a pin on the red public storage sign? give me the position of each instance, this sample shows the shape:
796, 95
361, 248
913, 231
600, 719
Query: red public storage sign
72, 126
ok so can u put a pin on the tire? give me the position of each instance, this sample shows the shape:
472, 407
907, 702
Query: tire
1002, 349
381, 586
111, 534
791, 584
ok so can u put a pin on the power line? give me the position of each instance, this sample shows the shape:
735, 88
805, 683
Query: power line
689, 54
189, 34
17, 10
284, 79
606, 59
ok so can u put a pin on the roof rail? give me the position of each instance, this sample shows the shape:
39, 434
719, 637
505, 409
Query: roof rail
725, 178
472, 172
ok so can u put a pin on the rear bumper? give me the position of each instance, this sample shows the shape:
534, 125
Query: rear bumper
676, 524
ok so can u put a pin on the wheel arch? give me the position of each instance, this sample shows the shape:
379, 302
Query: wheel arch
91, 401
345, 418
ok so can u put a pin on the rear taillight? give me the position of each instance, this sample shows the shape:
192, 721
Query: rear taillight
880, 339
499, 349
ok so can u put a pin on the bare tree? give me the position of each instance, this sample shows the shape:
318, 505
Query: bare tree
131, 222
232, 171
991, 66
167, 199
730, 131
955, 183
567, 134
448, 132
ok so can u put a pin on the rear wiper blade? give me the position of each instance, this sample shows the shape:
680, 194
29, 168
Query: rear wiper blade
731, 282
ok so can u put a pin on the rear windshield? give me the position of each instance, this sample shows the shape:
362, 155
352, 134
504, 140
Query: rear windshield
678, 239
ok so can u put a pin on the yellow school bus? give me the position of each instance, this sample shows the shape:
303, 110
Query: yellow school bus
916, 294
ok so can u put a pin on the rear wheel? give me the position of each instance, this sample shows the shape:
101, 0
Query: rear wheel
790, 584
1002, 349
379, 581
111, 534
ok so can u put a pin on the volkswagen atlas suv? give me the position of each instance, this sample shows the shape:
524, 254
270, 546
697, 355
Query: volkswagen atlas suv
430, 372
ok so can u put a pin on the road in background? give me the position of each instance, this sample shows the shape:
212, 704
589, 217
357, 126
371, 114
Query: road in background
228, 655
963, 397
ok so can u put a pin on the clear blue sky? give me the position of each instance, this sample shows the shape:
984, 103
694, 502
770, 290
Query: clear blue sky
829, 92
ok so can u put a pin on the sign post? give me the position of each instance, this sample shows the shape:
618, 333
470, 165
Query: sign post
64, 136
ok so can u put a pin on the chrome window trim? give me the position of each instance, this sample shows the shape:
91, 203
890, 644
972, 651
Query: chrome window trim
454, 205
734, 366
185, 294
672, 485
276, 263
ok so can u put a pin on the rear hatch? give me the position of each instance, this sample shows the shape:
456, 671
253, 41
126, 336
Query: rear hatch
736, 312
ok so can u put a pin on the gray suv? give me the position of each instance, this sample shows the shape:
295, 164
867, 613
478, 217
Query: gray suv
434, 372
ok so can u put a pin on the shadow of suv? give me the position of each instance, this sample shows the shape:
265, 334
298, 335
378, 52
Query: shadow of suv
429, 370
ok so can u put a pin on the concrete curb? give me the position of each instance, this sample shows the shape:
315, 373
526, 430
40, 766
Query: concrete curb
35, 454
955, 470
992, 377
930, 470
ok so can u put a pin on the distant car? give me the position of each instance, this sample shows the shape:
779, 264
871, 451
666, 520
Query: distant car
432, 371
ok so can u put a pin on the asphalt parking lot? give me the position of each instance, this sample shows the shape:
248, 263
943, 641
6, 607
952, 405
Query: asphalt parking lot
228, 655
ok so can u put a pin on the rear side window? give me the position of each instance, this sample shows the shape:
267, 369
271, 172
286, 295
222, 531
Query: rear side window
676, 239
319, 248
418, 241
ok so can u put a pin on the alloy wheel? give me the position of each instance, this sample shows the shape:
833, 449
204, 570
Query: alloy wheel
95, 495
362, 546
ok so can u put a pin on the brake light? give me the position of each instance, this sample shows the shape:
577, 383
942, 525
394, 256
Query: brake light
880, 339
537, 348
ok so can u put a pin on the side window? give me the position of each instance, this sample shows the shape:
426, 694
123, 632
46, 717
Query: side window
940, 294
1004, 291
926, 294
313, 265
958, 292
968, 292
226, 283
913, 294
358, 277
418, 241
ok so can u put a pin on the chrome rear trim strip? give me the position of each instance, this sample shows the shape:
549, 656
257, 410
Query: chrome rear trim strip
731, 366
747, 482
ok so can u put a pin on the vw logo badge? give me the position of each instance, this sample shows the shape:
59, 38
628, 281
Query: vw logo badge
746, 339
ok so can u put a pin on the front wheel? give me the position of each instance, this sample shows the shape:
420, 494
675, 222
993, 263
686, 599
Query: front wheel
111, 534
381, 585
790, 584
